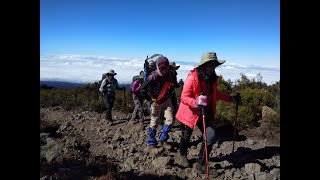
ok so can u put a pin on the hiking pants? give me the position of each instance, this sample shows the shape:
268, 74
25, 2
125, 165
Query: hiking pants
138, 109
108, 102
156, 110
187, 132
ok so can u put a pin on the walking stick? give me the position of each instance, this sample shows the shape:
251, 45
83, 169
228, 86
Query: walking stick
205, 139
235, 121
124, 101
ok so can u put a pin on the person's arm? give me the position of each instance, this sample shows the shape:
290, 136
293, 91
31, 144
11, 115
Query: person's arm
187, 95
103, 83
117, 85
224, 96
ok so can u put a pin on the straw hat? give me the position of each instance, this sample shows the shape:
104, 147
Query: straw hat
173, 64
209, 56
111, 71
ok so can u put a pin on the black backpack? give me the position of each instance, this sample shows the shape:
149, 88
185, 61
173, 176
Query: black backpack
144, 90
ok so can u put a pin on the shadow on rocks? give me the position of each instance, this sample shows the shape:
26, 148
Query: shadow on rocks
99, 167
244, 155
133, 176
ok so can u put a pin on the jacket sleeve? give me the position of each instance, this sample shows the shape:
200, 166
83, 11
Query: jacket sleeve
117, 85
187, 95
103, 83
224, 96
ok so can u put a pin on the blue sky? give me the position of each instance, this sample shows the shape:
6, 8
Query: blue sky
80, 40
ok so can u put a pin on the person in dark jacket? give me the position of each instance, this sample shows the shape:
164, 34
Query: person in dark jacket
174, 101
159, 87
108, 88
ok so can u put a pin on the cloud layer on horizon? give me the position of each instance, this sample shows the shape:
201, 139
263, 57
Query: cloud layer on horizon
88, 69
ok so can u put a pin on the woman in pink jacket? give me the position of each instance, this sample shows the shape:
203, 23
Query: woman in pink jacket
200, 89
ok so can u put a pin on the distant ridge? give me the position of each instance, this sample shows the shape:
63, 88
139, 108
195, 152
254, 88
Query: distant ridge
62, 84
68, 85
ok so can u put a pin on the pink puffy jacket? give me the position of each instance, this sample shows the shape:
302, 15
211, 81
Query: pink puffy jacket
189, 115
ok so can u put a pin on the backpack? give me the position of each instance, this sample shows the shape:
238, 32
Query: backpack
143, 89
133, 79
104, 75
148, 61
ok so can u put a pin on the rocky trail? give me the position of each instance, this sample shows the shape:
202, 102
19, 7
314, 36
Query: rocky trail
80, 145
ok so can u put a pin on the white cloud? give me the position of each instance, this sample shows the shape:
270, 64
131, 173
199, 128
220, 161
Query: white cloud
84, 69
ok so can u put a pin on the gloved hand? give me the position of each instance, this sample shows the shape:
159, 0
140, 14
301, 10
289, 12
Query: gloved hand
124, 88
237, 98
200, 101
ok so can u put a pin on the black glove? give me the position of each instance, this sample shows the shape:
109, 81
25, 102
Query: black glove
237, 98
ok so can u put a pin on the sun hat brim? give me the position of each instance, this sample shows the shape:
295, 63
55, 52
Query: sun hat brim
203, 62
112, 73
176, 67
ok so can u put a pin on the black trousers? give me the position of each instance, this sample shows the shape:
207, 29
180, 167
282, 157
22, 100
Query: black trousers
108, 102
187, 132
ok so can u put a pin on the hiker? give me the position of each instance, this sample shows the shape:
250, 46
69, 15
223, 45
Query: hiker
159, 88
137, 99
149, 66
174, 101
108, 87
181, 83
173, 68
202, 79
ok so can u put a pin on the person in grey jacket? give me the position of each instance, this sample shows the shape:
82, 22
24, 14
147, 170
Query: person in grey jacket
108, 87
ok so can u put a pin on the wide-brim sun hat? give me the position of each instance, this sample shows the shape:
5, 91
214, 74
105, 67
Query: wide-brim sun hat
111, 71
141, 76
209, 56
173, 64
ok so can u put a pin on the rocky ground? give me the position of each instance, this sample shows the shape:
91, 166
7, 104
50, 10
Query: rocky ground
80, 145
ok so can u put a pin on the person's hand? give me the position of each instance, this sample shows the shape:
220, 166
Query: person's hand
201, 101
237, 98
124, 88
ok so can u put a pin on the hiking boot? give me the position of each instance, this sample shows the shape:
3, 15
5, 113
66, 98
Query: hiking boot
182, 160
201, 169
165, 145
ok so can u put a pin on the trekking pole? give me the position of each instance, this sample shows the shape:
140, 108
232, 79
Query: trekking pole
124, 101
205, 138
235, 121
